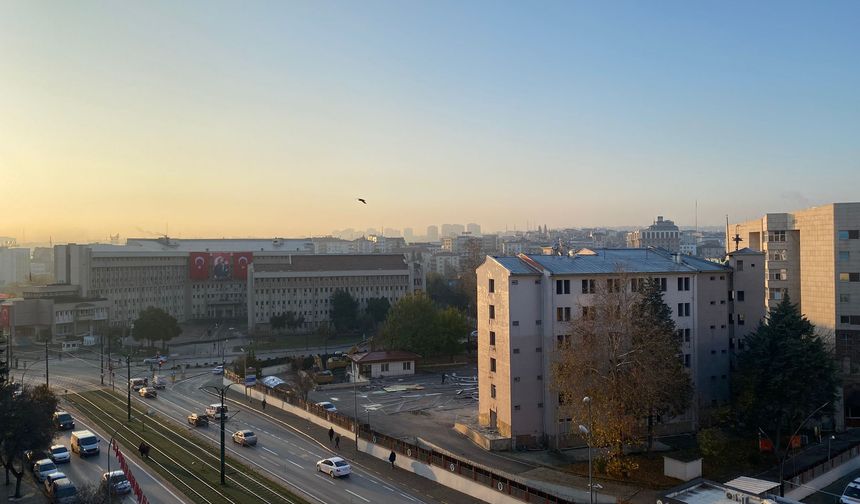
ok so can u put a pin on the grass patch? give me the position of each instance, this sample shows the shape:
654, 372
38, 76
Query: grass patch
174, 450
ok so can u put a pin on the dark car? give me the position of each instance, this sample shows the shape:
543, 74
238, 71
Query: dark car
196, 420
63, 420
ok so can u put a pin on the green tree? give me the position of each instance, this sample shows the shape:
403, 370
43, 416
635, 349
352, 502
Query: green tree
294, 321
784, 374
344, 310
442, 292
154, 324
26, 425
664, 386
377, 308
416, 324
278, 322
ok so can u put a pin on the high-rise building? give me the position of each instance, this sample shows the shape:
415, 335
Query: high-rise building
813, 256
409, 234
432, 233
14, 265
662, 234
526, 304
473, 229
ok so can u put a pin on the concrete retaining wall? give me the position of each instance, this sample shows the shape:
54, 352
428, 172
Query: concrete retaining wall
810, 487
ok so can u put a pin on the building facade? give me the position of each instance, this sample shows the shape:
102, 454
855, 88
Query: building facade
14, 265
661, 234
813, 256
305, 285
189, 279
525, 307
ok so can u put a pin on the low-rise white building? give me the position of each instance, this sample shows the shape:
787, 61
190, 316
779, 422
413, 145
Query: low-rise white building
369, 365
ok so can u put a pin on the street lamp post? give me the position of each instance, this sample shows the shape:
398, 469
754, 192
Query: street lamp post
829, 439
785, 454
109, 479
222, 392
586, 431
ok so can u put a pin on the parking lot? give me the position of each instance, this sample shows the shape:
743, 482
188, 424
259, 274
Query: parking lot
411, 406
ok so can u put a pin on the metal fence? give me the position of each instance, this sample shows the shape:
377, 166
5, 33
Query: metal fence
452, 464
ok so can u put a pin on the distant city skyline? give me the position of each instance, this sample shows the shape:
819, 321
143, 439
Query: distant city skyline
211, 119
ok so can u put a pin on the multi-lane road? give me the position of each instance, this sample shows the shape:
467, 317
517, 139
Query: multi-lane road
284, 453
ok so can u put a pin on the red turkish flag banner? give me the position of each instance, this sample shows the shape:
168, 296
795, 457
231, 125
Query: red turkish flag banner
198, 266
241, 260
5, 316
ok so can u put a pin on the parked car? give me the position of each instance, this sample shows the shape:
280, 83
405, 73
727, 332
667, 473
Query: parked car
218, 370
51, 478
43, 468
148, 392
63, 492
334, 467
198, 420
851, 494
63, 420
245, 438
331, 408
119, 484
60, 454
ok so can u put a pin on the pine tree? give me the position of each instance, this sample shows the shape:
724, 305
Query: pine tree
784, 374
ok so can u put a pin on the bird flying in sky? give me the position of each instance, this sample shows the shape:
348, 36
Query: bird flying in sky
362, 200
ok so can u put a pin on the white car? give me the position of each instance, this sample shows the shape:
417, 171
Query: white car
851, 495
49, 479
60, 454
334, 467
331, 408
43, 468
218, 370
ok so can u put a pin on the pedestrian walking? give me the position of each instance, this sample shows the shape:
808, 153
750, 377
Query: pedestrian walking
392, 458
337, 442
444, 375
330, 434
264, 403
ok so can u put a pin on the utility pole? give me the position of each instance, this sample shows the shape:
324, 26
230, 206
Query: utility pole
222, 392
47, 383
102, 341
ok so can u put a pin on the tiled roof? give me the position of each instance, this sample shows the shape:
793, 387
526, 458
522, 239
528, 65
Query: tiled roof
608, 261
384, 356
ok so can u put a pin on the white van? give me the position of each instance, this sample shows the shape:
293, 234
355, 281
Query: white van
138, 383
216, 410
84, 443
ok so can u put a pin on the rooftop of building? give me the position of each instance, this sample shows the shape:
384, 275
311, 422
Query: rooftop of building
335, 262
166, 244
384, 356
608, 261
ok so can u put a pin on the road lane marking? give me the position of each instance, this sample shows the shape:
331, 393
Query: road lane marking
270, 451
297, 465
325, 479
353, 493
388, 488
408, 497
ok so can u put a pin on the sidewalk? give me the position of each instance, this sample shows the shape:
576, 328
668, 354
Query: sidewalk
813, 455
30, 494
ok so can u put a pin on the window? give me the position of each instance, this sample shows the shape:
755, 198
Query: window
562, 286
613, 285
515, 282
845, 298
516, 350
516, 379
492, 365
537, 322
588, 286
540, 405
776, 294
683, 283
492, 286
493, 391
683, 309
662, 282
538, 349
540, 377
562, 314
407, 366
492, 311
844, 255
384, 367
562, 339
850, 319
852, 234
515, 323
740, 296
492, 338
849, 277
740, 265
637, 284
687, 360
777, 255
776, 236
586, 312
516, 407
781, 274
687, 335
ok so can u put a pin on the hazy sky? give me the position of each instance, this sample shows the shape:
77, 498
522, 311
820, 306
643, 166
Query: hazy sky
270, 118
